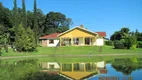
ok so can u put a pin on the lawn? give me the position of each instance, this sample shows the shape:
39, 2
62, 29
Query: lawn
72, 50
73, 59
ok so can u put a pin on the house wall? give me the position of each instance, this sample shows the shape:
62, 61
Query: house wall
77, 33
99, 42
48, 64
44, 43
53, 63
56, 42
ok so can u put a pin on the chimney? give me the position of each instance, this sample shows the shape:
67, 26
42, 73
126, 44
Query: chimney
81, 26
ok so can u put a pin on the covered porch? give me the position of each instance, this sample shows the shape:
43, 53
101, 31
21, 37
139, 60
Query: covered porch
77, 41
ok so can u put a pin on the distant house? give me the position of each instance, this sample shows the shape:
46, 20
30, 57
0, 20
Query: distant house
50, 40
77, 36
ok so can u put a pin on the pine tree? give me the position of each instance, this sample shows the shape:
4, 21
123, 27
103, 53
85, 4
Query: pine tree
15, 20
30, 46
35, 23
24, 17
21, 38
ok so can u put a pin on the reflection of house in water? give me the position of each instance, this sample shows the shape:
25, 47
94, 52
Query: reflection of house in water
101, 67
50, 67
78, 70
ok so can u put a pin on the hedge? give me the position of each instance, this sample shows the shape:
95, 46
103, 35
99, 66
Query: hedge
119, 45
109, 43
139, 44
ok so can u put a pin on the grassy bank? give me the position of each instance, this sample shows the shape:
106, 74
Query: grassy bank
72, 50
74, 59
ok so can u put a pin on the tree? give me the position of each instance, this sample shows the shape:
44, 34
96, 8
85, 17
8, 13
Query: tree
40, 21
21, 42
30, 19
15, 20
116, 36
124, 37
25, 39
4, 38
56, 22
35, 23
30, 43
24, 17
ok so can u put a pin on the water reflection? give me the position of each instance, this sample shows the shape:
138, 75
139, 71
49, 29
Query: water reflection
77, 70
127, 66
118, 69
122, 69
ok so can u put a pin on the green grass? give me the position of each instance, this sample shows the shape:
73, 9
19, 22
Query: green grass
72, 50
74, 59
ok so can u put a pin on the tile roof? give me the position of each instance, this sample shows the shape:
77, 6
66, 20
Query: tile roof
102, 34
53, 35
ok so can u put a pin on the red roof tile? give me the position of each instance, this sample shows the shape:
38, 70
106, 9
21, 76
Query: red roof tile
103, 71
102, 34
53, 35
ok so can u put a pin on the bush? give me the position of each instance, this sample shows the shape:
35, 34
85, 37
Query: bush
119, 45
109, 43
139, 44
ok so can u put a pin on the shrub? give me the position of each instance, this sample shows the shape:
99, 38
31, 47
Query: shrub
118, 44
139, 44
109, 43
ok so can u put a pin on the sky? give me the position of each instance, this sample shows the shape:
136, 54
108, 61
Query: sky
95, 15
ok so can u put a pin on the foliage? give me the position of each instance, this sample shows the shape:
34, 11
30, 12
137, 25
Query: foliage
139, 44
40, 23
109, 43
4, 38
128, 39
42, 76
138, 35
24, 16
36, 32
118, 45
21, 38
25, 70
127, 66
25, 40
56, 22
31, 44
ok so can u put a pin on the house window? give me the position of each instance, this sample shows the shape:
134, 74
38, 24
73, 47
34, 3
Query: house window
51, 41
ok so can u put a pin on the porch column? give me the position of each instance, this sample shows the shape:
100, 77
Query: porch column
90, 41
72, 41
72, 67
60, 42
83, 40
84, 67
60, 67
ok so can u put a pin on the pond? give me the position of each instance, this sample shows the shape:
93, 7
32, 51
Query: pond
30, 69
121, 69
113, 74
117, 69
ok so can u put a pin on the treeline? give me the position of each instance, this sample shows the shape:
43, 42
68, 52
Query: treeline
124, 39
22, 28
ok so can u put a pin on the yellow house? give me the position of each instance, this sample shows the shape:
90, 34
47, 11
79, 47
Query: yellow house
78, 36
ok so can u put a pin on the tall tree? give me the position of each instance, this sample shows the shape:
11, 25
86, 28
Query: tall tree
35, 23
4, 37
24, 17
56, 22
21, 38
15, 18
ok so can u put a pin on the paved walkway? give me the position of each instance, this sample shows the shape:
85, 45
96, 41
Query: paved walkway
71, 55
